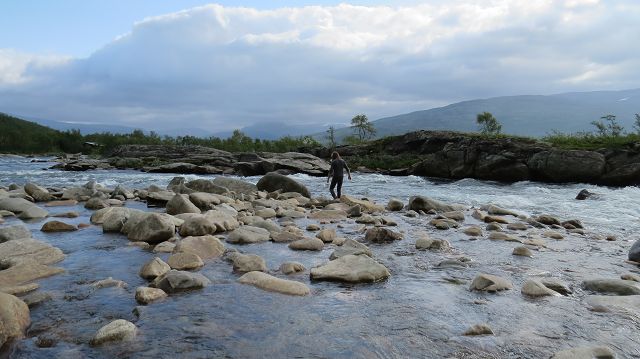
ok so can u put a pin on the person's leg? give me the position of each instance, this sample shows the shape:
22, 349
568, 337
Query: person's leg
340, 186
333, 185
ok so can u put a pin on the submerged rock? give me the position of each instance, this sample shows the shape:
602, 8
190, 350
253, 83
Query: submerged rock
351, 246
381, 235
57, 226
612, 286
273, 284
178, 281
351, 268
421, 203
248, 234
592, 352
273, 181
248, 263
146, 295
307, 244
479, 329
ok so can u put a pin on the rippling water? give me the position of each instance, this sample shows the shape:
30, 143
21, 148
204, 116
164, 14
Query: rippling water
418, 312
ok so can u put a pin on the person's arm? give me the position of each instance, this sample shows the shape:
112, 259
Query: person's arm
347, 168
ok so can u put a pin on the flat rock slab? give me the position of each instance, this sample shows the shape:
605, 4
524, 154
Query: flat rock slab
205, 247
14, 232
353, 247
329, 215
58, 226
178, 281
24, 272
351, 268
612, 286
307, 244
28, 249
273, 284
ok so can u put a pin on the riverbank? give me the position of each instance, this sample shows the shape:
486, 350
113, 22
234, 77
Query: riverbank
434, 252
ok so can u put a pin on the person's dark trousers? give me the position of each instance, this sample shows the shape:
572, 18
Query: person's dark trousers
336, 181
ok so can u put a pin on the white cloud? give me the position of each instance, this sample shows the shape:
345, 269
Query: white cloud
222, 68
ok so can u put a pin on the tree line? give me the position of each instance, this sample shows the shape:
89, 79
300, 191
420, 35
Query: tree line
19, 136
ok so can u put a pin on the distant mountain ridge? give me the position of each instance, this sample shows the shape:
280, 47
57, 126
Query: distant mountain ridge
525, 115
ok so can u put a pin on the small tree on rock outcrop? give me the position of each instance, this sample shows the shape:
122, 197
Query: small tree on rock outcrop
331, 136
364, 129
488, 124
608, 126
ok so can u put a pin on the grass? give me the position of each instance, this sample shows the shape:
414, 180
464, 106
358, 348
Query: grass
590, 141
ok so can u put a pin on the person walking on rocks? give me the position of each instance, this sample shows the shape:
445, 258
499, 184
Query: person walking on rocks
338, 165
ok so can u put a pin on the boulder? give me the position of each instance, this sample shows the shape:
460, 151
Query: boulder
206, 247
96, 203
116, 331
267, 224
479, 329
292, 268
500, 236
235, 185
328, 215
115, 219
307, 244
57, 226
152, 228
108, 283
204, 201
381, 235
518, 226
14, 318
444, 223
14, 232
612, 286
634, 252
39, 194
547, 219
177, 281
273, 181
590, 352
351, 268
33, 212
62, 203
198, 226
421, 203
154, 268
266, 213
15, 205
522, 251
473, 231
327, 235
535, 288
180, 203
395, 205
583, 194
224, 221
432, 244
365, 204
286, 236
489, 283
248, 234
184, 261
162, 247
146, 295
248, 263
352, 247
273, 284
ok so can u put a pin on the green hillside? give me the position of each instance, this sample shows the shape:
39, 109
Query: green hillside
20, 136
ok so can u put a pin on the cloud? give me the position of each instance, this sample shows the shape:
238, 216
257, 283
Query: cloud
222, 68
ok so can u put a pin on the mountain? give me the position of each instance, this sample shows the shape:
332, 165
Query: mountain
21, 136
274, 130
526, 115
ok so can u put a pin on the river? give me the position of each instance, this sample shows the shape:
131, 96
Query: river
419, 311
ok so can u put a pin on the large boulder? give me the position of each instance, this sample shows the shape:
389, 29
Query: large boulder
146, 295
180, 203
273, 181
184, 261
489, 283
248, 234
612, 286
224, 221
422, 203
567, 165
177, 281
350, 246
14, 232
29, 250
307, 244
351, 268
116, 331
204, 201
205, 247
14, 318
235, 185
197, 226
33, 212
38, 193
364, 204
273, 284
153, 228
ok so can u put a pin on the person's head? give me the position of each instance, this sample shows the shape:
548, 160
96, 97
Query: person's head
335, 155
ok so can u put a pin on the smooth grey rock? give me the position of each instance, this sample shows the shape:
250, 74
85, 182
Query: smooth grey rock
154, 268
248, 234
248, 263
351, 268
489, 283
14, 232
177, 281
117, 330
206, 247
351, 246
273, 284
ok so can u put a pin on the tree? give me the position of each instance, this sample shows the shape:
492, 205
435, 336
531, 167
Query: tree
608, 126
364, 129
331, 136
636, 124
488, 124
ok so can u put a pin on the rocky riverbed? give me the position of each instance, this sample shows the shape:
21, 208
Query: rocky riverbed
203, 267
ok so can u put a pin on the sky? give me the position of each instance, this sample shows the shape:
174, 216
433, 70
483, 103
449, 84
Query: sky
230, 64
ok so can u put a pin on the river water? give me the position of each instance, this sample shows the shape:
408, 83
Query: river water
419, 311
